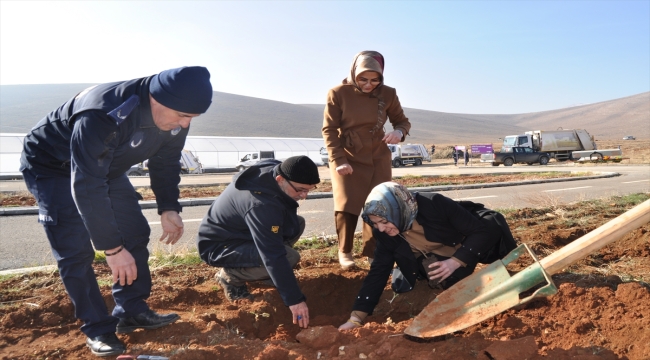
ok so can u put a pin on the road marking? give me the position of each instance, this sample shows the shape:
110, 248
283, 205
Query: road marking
476, 197
188, 220
631, 182
575, 188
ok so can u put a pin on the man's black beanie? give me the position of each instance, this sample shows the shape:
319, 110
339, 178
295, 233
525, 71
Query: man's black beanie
300, 169
186, 89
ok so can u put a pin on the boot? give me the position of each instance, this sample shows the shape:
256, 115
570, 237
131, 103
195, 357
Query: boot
232, 292
346, 260
105, 345
147, 320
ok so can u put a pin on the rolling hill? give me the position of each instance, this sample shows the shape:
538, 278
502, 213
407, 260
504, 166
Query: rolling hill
21, 106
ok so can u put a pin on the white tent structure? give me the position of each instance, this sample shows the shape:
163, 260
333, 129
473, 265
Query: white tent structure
219, 152
11, 145
214, 152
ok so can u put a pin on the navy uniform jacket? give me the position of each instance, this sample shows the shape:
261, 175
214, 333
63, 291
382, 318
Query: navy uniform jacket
97, 136
248, 224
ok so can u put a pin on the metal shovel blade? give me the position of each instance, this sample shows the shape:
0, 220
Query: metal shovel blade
492, 290
486, 293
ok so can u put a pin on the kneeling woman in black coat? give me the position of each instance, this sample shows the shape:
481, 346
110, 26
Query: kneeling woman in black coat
430, 228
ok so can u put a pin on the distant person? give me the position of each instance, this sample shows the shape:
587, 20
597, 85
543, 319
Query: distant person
454, 155
430, 237
466, 157
354, 132
251, 228
74, 162
433, 149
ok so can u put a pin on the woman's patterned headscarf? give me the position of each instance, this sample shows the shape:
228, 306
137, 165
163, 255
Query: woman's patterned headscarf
392, 202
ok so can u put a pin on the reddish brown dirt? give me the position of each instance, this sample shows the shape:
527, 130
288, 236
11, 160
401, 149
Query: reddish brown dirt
602, 310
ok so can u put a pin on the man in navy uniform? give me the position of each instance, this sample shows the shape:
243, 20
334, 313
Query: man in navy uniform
74, 162
251, 228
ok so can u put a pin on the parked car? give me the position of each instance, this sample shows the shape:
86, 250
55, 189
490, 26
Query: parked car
253, 158
324, 156
629, 137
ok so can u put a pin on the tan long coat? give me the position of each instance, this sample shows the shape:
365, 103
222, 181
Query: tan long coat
350, 118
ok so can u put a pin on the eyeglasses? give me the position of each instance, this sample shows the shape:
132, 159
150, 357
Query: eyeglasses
372, 81
300, 191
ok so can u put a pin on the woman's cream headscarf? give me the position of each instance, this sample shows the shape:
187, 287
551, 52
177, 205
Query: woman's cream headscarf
366, 61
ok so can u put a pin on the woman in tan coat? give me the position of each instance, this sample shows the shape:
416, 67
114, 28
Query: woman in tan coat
355, 137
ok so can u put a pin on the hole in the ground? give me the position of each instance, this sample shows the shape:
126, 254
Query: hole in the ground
329, 296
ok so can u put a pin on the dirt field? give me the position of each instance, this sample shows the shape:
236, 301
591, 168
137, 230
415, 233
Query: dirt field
601, 311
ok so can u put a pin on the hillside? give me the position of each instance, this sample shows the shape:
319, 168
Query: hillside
21, 106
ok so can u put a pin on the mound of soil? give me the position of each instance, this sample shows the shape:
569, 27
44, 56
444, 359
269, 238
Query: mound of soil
602, 309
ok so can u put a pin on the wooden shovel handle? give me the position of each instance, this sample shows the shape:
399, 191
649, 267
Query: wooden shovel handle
602, 236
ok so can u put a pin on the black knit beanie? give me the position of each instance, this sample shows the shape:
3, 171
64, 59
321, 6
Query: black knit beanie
185, 89
300, 169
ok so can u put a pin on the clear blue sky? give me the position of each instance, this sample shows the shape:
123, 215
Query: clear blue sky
453, 56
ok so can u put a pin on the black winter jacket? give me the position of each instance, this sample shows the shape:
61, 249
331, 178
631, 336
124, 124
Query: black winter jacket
248, 224
97, 136
444, 221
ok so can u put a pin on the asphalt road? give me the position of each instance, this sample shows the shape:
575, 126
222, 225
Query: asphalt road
23, 242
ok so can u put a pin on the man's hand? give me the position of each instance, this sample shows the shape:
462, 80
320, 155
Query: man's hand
300, 314
172, 226
123, 266
444, 270
345, 169
393, 137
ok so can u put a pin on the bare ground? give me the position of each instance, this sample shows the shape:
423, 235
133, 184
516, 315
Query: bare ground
601, 311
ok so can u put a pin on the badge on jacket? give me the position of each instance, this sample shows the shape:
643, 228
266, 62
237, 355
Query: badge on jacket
275, 229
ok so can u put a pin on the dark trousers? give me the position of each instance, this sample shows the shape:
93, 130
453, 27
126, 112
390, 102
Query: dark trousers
74, 253
346, 224
248, 253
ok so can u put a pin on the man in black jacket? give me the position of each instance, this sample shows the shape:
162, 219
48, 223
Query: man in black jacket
250, 229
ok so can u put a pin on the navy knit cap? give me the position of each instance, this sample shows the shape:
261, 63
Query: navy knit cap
300, 169
185, 89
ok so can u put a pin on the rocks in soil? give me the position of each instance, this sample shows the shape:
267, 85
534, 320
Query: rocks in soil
318, 337
518, 349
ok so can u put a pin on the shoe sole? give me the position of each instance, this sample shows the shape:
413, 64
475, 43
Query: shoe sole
130, 329
108, 353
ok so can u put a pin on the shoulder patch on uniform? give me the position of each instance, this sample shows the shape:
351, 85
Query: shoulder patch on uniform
120, 113
275, 229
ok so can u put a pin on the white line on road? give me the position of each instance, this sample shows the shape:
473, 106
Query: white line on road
476, 197
575, 188
631, 182
184, 220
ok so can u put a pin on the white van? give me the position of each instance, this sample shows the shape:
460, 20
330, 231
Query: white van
253, 158
190, 164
